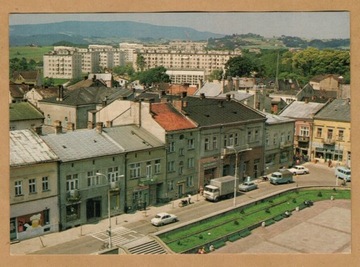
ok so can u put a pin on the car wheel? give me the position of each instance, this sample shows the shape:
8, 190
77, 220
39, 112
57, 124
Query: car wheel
175, 220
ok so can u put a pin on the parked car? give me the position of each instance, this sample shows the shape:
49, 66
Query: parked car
299, 169
344, 173
247, 186
163, 218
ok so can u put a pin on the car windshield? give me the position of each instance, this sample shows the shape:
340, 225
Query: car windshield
157, 216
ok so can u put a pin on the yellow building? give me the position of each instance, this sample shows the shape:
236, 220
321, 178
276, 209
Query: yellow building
331, 133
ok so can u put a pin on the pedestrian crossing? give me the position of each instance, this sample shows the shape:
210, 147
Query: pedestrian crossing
119, 236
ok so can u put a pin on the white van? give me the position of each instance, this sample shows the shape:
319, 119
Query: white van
343, 173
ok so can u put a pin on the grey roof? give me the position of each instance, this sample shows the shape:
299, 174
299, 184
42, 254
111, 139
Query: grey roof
132, 138
26, 147
81, 144
212, 111
237, 95
24, 111
337, 110
276, 119
301, 110
89, 95
210, 89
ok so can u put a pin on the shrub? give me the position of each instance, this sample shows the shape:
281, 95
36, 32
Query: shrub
319, 194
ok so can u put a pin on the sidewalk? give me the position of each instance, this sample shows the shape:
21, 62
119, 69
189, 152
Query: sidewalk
53, 239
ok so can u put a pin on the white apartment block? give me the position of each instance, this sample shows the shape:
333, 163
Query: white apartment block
198, 60
62, 63
90, 61
191, 77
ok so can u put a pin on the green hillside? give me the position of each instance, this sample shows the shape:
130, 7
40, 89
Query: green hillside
29, 52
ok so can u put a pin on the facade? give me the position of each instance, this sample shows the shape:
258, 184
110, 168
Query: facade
194, 60
190, 77
83, 194
145, 165
303, 113
31, 78
38, 93
325, 82
90, 61
331, 134
74, 106
279, 142
34, 207
24, 115
225, 124
62, 63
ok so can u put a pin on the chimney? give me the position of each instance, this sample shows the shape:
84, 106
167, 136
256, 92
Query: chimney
228, 97
38, 130
229, 84
60, 93
109, 124
202, 95
183, 94
220, 104
90, 125
58, 127
94, 78
70, 126
99, 127
184, 104
104, 102
178, 104
237, 83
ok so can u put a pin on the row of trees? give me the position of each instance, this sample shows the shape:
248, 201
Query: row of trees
300, 65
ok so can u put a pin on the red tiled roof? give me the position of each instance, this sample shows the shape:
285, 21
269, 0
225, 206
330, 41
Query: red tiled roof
177, 89
169, 118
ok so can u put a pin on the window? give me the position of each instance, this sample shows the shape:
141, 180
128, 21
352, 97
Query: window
236, 139
18, 188
341, 135
249, 136
319, 132
181, 152
45, 183
148, 169
207, 144
92, 178
231, 139
289, 136
113, 174
191, 162
134, 170
72, 182
214, 143
171, 166
172, 147
32, 186
330, 134
170, 185
304, 131
191, 143
275, 139
181, 169
190, 181
267, 141
157, 166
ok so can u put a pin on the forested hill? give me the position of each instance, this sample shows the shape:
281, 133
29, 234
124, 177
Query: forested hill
250, 40
101, 32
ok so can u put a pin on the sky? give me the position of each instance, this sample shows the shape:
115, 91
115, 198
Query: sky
311, 25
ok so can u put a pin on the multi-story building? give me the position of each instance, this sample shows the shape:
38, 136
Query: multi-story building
303, 113
34, 209
190, 77
83, 194
194, 60
90, 61
106, 55
331, 134
24, 115
62, 63
279, 142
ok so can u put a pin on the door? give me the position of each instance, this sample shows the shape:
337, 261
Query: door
180, 190
93, 208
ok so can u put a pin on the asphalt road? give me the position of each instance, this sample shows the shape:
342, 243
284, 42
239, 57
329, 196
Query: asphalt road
320, 175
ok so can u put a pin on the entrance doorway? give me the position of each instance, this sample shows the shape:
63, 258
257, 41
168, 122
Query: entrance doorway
93, 208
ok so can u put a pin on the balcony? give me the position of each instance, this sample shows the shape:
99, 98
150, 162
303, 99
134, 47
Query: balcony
329, 141
301, 138
73, 195
148, 181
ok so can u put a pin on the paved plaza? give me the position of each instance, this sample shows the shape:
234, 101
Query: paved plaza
322, 228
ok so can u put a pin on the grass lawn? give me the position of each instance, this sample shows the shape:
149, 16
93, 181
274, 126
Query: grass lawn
35, 53
217, 227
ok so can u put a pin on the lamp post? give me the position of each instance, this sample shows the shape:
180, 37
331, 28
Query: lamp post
108, 200
236, 167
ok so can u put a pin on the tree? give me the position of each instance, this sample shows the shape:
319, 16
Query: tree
124, 70
240, 66
153, 76
140, 62
215, 75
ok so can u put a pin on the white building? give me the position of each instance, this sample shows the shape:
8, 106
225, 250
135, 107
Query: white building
62, 63
191, 77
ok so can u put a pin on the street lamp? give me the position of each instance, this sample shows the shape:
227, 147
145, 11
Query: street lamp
236, 167
109, 214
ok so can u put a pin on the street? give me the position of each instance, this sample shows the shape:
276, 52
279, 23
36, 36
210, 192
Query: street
126, 230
